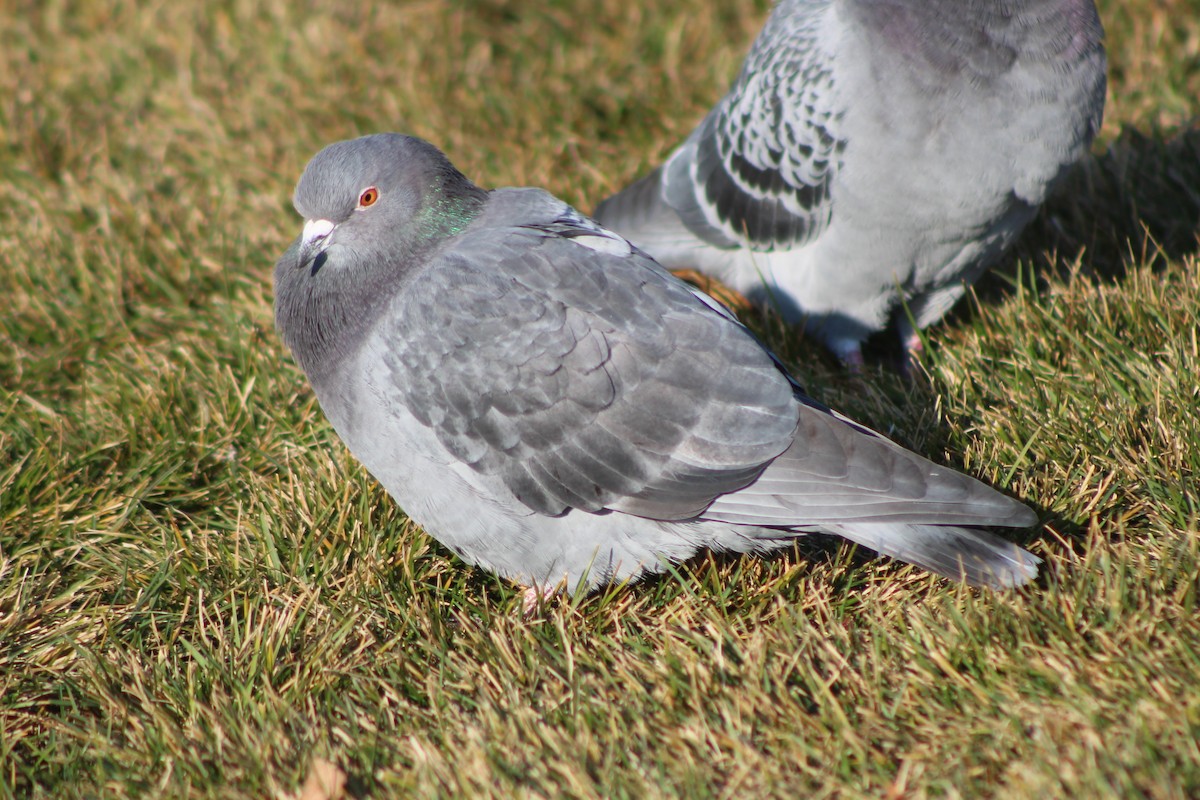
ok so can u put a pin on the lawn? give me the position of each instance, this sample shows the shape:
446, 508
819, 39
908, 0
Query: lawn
203, 595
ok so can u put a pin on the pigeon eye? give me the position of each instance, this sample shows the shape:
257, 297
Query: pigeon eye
368, 197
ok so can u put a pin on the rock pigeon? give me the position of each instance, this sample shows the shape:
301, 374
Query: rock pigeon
552, 405
874, 155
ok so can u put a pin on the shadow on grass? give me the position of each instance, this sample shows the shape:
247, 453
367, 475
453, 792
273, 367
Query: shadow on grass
1136, 203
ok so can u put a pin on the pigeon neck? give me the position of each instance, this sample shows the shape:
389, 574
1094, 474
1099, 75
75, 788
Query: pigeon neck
322, 321
325, 316
447, 214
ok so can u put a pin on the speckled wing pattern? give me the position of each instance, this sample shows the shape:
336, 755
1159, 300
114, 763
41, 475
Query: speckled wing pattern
559, 358
757, 171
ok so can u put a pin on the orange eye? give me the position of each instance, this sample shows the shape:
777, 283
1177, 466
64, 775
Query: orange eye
368, 197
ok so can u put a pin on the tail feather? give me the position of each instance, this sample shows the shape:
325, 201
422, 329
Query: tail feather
967, 554
633, 206
640, 214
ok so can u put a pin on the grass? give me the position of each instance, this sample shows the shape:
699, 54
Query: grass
203, 595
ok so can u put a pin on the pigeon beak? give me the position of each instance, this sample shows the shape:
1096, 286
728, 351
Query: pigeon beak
313, 241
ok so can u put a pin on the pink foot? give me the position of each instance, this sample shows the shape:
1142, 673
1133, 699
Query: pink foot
532, 598
911, 361
849, 352
853, 361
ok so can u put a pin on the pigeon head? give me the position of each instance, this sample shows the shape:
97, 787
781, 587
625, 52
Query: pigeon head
373, 208
389, 193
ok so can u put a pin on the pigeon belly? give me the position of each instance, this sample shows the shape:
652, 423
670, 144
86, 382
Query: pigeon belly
477, 517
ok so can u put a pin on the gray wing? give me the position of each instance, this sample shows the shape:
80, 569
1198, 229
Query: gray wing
839, 472
562, 360
758, 170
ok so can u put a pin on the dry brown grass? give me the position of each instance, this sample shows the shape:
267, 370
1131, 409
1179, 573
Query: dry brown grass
201, 594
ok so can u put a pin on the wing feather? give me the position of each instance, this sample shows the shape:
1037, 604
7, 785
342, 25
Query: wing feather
758, 171
566, 363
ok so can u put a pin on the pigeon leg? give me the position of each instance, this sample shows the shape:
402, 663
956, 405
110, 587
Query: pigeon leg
849, 352
912, 346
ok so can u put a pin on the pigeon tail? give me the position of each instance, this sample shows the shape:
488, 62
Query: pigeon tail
968, 554
639, 214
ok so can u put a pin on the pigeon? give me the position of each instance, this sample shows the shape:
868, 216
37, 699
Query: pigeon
552, 405
874, 157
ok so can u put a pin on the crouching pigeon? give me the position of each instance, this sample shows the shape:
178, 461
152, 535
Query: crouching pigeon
552, 405
874, 157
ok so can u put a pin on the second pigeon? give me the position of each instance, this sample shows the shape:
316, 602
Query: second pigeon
875, 154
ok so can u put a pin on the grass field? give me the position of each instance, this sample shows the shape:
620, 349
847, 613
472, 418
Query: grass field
203, 595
